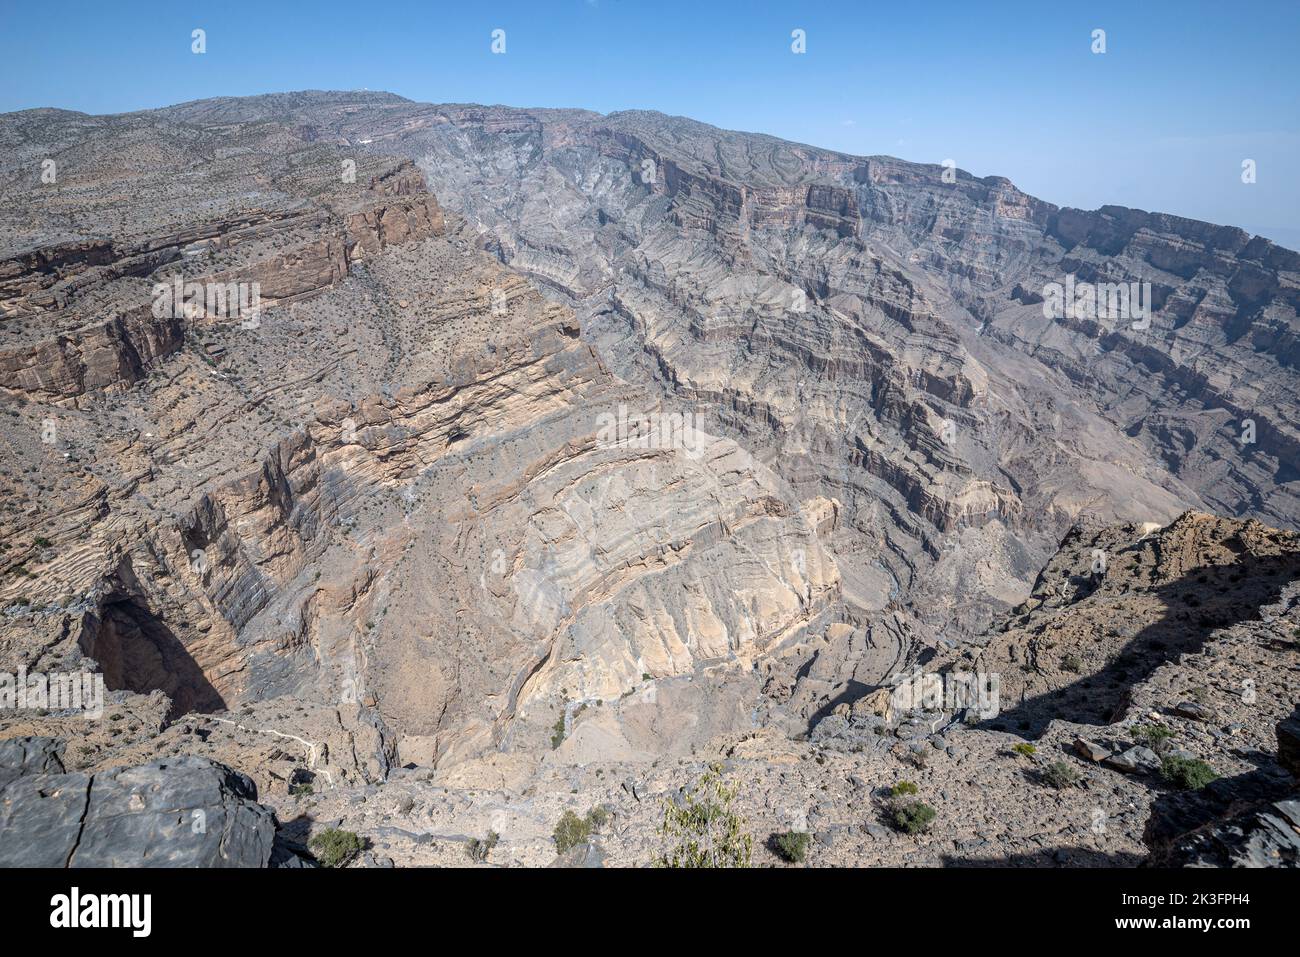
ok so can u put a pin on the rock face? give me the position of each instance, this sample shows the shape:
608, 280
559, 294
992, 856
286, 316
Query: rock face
409, 487
348, 434
188, 812
855, 323
19, 756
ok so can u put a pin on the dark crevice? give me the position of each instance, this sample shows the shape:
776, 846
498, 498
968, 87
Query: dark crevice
138, 652
81, 823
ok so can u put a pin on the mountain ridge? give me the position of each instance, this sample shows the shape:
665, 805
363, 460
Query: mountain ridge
294, 98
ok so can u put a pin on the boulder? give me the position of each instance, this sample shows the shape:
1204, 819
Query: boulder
1133, 760
179, 812
1192, 710
581, 856
1090, 750
1268, 836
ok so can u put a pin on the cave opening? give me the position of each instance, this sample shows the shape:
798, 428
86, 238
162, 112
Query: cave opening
137, 651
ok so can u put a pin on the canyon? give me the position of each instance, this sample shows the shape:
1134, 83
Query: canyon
376, 554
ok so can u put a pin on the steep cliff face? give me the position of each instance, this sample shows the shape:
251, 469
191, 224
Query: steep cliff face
86, 314
639, 433
875, 329
405, 484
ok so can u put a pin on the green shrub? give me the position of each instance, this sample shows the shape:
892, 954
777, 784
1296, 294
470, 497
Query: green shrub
477, 850
1187, 774
573, 830
1025, 748
1060, 775
903, 788
792, 845
570, 832
334, 847
1154, 736
1072, 663
301, 789
704, 830
557, 732
911, 817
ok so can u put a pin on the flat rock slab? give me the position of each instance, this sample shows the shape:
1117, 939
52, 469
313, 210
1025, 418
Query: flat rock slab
1134, 760
183, 812
1090, 750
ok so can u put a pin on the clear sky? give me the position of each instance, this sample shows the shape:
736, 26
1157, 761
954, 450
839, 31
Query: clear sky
1162, 120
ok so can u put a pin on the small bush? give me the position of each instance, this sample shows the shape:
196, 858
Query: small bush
573, 830
570, 832
477, 850
911, 817
706, 832
1060, 775
1154, 736
557, 732
1072, 663
1187, 774
298, 790
792, 845
903, 789
334, 847
1025, 748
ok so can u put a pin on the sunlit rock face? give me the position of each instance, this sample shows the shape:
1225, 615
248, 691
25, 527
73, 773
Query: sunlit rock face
586, 437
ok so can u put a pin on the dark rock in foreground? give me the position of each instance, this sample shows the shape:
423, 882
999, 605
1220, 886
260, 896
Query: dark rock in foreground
184, 812
19, 756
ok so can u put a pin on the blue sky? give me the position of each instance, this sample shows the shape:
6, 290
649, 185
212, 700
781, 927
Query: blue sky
1160, 121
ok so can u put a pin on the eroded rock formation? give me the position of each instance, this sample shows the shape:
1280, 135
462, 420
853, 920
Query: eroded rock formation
558, 441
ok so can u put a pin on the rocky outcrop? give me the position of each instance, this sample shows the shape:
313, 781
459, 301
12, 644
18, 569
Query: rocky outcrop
1117, 603
294, 249
276, 519
390, 223
186, 812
